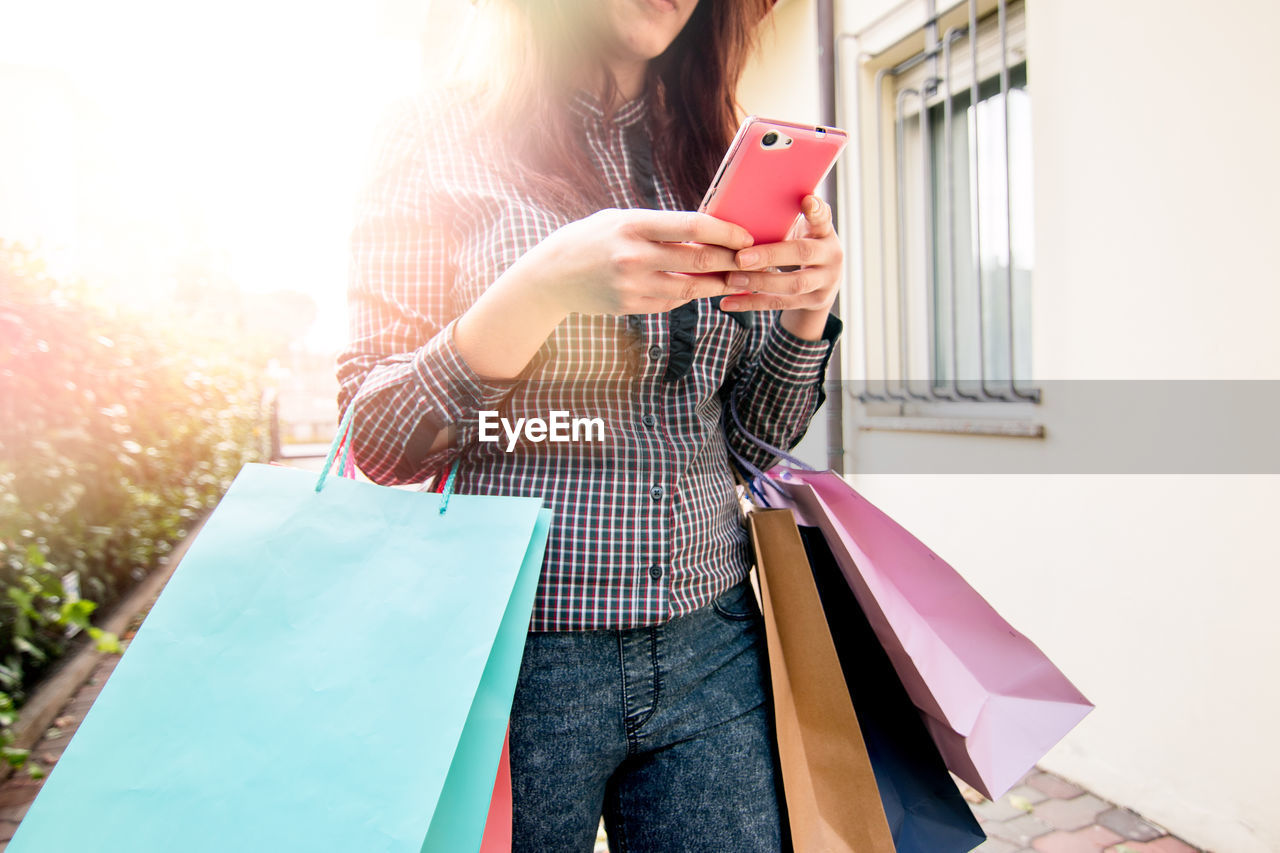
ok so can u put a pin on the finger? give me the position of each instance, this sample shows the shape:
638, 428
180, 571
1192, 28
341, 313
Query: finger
773, 301
804, 280
693, 258
806, 251
685, 287
674, 226
817, 214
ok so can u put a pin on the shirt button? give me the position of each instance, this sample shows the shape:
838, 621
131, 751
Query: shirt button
655, 352
655, 571
656, 493
648, 420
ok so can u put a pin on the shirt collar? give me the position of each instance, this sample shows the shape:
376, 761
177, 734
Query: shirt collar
587, 106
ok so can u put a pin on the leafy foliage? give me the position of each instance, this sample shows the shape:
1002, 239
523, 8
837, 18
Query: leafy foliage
118, 430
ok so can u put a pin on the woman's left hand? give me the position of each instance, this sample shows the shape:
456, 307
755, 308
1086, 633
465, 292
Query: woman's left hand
804, 295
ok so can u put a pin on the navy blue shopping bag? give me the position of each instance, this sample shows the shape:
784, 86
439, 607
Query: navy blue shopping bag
925, 810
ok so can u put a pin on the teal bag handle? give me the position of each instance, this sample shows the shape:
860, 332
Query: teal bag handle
343, 440
448, 485
339, 440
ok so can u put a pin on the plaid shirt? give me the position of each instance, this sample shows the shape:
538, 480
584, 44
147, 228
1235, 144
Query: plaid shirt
647, 522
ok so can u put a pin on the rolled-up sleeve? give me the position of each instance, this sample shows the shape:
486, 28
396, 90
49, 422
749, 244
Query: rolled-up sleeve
778, 387
401, 369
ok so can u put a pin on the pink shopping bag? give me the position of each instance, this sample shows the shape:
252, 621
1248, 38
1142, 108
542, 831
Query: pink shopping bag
991, 700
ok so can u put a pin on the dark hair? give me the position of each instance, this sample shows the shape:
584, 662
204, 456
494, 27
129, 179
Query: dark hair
691, 88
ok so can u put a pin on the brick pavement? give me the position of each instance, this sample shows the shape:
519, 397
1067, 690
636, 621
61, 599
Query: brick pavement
1047, 814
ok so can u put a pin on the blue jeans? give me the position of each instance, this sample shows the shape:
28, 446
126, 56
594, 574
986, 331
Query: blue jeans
667, 731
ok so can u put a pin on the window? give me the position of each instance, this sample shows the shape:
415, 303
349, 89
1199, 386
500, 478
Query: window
944, 191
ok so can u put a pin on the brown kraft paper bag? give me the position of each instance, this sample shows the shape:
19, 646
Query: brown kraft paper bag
833, 802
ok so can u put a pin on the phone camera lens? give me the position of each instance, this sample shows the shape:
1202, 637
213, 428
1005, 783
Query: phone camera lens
770, 138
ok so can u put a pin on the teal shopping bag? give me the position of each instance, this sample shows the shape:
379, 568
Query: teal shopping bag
328, 669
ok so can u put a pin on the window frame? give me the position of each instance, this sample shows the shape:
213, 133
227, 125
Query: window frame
870, 184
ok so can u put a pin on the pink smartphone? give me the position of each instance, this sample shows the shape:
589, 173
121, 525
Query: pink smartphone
771, 166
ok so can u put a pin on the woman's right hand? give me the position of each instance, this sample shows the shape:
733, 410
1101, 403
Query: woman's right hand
635, 261
612, 262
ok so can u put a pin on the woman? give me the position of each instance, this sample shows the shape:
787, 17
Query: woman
525, 247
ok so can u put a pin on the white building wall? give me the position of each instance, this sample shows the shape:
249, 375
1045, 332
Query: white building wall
1157, 202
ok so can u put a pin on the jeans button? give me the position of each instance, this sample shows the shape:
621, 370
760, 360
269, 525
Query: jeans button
655, 571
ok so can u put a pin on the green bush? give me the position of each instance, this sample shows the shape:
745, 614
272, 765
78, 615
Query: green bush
118, 430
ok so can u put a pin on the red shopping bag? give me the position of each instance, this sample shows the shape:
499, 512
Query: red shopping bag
497, 829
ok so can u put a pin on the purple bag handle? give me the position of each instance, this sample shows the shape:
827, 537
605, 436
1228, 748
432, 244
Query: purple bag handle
756, 473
